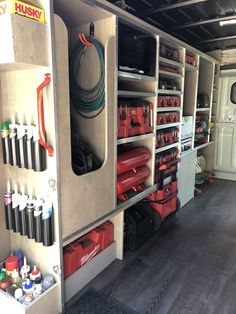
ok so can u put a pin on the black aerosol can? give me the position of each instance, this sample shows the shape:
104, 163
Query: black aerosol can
8, 208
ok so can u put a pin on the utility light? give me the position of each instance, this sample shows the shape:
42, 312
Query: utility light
228, 22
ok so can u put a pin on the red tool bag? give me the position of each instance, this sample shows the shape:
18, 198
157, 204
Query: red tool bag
131, 180
167, 137
134, 118
132, 159
164, 201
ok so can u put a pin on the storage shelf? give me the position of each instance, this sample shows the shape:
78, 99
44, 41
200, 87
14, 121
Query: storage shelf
125, 93
167, 125
134, 76
169, 92
162, 149
161, 109
186, 137
167, 74
82, 276
190, 67
135, 197
171, 62
186, 153
203, 145
135, 138
203, 109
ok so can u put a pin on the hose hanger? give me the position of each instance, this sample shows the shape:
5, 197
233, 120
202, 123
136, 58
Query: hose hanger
88, 102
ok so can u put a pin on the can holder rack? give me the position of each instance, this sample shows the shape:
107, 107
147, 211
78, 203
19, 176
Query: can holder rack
82, 250
168, 117
165, 101
167, 137
29, 217
134, 118
132, 171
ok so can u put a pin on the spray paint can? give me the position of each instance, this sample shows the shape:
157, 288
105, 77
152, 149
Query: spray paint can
38, 209
6, 147
10, 222
22, 212
29, 143
47, 223
21, 134
15, 209
30, 218
13, 142
38, 152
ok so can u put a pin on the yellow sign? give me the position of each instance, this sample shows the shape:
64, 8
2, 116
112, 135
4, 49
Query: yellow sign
21, 8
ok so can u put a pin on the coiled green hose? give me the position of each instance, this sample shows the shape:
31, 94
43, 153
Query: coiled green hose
90, 102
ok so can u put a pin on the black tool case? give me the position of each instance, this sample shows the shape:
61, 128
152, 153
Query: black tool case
138, 226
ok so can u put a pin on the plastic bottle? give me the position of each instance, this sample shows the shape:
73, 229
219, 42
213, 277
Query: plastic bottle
35, 273
28, 289
15, 277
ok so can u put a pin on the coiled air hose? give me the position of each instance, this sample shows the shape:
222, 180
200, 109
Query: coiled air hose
90, 102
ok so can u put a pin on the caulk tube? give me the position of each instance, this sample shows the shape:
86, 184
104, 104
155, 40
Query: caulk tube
38, 209
8, 207
22, 212
6, 147
30, 217
21, 134
47, 223
29, 143
39, 153
15, 209
14, 143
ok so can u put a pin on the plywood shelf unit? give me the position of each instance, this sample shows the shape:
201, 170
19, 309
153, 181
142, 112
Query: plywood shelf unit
82, 203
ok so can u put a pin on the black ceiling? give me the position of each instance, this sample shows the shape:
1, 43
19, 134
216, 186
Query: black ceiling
193, 21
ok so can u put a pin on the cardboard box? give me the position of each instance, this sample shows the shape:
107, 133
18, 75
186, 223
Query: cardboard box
23, 9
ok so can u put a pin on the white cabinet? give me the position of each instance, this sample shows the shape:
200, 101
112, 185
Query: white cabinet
186, 181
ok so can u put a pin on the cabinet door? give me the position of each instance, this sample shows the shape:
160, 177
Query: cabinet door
225, 151
186, 178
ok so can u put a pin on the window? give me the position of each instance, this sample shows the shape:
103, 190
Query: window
233, 93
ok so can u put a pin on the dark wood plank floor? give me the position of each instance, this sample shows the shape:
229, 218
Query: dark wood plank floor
189, 266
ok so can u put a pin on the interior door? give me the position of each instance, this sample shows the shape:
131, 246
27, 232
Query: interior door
225, 146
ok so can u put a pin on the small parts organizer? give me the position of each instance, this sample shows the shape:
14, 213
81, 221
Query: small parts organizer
23, 145
23, 282
29, 216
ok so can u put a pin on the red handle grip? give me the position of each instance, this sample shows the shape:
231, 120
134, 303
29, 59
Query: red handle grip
40, 104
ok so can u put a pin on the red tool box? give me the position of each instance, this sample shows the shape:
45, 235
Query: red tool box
167, 117
169, 53
82, 250
167, 137
134, 118
165, 101
166, 164
164, 201
191, 60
